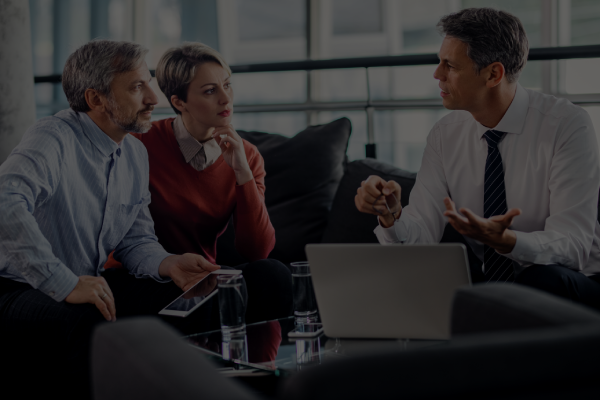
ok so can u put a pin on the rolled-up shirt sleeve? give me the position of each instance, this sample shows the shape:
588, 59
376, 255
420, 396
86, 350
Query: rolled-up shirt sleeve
574, 181
139, 251
27, 179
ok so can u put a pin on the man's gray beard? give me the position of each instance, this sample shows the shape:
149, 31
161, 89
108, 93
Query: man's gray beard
127, 123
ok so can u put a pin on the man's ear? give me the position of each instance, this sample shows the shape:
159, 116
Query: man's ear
94, 100
495, 72
178, 103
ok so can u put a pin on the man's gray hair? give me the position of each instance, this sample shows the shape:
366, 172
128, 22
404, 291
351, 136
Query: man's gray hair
177, 68
491, 36
94, 66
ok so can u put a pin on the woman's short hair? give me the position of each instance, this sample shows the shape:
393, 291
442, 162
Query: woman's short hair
491, 36
177, 68
94, 66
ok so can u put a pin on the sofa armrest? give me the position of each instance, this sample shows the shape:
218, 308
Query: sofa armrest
506, 307
143, 358
549, 363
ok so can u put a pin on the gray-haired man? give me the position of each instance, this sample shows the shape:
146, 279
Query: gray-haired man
73, 190
522, 166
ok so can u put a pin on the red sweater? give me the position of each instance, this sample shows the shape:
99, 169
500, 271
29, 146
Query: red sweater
191, 208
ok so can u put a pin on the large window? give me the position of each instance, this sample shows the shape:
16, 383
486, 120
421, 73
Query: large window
261, 31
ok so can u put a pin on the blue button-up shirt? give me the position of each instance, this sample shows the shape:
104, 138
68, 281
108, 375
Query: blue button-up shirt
69, 195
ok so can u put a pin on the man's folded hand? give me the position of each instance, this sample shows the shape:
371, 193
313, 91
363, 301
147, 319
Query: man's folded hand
94, 290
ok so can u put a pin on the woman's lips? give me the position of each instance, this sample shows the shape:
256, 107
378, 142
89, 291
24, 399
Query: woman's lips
225, 113
444, 94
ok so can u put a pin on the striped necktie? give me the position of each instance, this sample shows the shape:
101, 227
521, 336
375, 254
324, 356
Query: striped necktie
497, 267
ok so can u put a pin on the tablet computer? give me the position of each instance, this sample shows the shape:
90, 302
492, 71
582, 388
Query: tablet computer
197, 295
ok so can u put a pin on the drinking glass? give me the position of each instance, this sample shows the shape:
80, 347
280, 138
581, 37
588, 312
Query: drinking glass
235, 348
305, 303
233, 299
308, 352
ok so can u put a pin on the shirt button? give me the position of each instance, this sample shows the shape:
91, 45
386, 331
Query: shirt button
14, 183
51, 293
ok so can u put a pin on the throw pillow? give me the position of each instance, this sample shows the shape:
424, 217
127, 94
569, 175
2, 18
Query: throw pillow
303, 173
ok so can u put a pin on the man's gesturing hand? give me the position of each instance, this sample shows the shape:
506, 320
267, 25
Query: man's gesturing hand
94, 290
491, 231
186, 269
370, 198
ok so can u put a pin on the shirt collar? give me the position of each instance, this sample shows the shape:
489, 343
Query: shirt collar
514, 118
101, 140
188, 145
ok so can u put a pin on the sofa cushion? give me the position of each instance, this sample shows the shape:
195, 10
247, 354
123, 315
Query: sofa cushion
303, 173
501, 307
346, 224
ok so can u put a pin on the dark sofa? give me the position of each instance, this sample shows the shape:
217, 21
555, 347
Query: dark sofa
508, 342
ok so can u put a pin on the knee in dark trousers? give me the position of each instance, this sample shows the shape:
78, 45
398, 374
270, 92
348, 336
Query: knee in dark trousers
562, 282
549, 278
269, 284
55, 353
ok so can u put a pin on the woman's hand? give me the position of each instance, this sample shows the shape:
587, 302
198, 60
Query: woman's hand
232, 147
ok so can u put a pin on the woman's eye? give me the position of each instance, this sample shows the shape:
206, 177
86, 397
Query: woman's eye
210, 91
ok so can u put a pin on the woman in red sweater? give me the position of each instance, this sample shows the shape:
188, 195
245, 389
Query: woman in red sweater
202, 172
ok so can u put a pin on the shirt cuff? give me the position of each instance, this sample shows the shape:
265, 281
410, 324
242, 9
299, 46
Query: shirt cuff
394, 234
60, 284
149, 264
519, 252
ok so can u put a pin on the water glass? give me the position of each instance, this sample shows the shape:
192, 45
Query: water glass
305, 303
233, 299
235, 349
308, 352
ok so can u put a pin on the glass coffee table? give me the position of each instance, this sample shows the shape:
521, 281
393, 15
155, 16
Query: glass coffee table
267, 350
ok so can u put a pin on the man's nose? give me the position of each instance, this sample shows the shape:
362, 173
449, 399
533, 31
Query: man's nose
151, 97
436, 73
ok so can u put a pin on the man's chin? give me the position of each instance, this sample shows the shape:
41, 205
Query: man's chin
141, 126
145, 126
449, 105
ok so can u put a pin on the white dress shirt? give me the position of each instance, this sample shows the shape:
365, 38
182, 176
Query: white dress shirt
198, 155
551, 172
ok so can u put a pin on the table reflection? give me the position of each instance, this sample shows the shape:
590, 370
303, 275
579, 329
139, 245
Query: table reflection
235, 349
266, 346
308, 352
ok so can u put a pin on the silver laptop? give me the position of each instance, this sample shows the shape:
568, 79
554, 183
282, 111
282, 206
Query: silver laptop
395, 291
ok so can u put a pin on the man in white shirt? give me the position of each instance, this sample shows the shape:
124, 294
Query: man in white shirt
521, 167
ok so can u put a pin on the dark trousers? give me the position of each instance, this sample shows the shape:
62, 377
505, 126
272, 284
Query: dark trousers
45, 345
554, 279
562, 282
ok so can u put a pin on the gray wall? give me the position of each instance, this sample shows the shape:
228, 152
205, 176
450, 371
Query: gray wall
17, 105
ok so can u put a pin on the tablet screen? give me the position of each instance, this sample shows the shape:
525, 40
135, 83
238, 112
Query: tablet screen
195, 295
